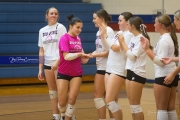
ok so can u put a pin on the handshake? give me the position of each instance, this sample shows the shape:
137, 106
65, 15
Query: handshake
85, 57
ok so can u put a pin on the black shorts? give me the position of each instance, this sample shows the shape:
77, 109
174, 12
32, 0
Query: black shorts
117, 75
47, 67
160, 81
101, 72
66, 77
131, 76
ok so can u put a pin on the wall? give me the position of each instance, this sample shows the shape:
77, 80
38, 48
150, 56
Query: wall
141, 7
138, 6
154, 37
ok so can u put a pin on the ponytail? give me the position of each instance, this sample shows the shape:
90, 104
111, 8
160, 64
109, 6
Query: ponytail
174, 38
144, 33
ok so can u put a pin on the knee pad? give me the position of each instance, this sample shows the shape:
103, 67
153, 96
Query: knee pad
113, 106
61, 109
53, 94
118, 105
70, 110
99, 102
135, 108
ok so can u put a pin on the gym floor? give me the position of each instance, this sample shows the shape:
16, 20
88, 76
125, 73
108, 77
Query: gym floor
31, 102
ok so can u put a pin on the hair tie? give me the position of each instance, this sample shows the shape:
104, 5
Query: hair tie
142, 28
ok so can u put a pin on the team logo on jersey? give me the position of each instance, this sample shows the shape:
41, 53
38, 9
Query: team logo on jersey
98, 42
98, 46
77, 47
50, 37
115, 38
98, 37
132, 45
74, 42
49, 33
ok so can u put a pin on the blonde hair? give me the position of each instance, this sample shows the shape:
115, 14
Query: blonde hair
166, 21
177, 14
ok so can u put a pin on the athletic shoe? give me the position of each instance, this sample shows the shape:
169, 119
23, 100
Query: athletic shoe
62, 118
73, 118
54, 118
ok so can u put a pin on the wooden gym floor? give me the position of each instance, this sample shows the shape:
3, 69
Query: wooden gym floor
31, 102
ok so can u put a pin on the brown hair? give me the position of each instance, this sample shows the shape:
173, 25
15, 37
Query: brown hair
103, 14
126, 15
166, 21
72, 20
47, 12
138, 24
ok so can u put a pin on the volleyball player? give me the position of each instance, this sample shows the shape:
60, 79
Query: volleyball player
49, 37
135, 65
99, 17
167, 46
115, 70
70, 70
168, 60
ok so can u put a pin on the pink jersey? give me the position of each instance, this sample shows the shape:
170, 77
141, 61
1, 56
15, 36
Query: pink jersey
70, 44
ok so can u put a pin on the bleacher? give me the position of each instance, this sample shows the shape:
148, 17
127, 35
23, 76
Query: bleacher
20, 22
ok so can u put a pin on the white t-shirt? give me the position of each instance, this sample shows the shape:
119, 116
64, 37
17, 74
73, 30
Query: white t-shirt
49, 37
137, 65
117, 60
101, 61
179, 60
164, 48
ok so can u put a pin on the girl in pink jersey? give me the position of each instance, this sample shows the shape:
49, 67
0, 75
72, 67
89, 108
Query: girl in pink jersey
49, 37
70, 71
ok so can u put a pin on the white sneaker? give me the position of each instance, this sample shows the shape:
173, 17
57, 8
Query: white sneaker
62, 118
54, 118
73, 117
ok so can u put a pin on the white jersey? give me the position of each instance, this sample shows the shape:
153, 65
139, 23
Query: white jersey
101, 61
179, 59
117, 60
164, 48
49, 37
137, 65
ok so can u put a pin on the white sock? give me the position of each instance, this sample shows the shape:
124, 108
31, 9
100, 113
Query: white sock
73, 117
62, 114
172, 115
162, 115
56, 116
112, 119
